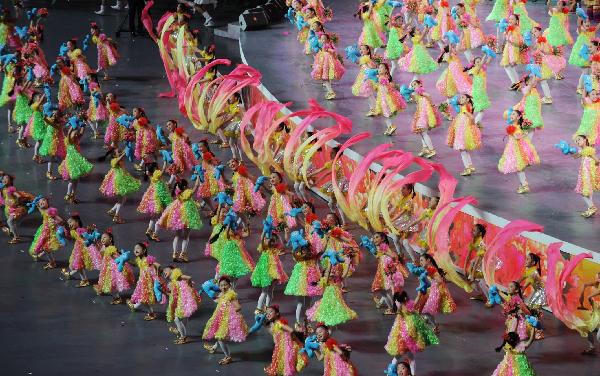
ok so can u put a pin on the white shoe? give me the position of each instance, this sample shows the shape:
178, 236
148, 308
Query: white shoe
209, 23
101, 12
117, 6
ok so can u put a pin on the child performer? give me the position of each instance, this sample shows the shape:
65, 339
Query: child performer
14, 206
146, 142
287, 359
512, 54
107, 50
144, 293
531, 105
439, 299
74, 166
388, 277
444, 23
586, 33
362, 86
589, 126
183, 302
331, 309
453, 79
417, 59
304, 279
587, 181
409, 334
154, 201
81, 258
478, 72
519, 153
78, 62
471, 36
552, 64
118, 183
182, 215
558, 29
426, 117
327, 65
226, 323
463, 134
97, 112
335, 357
53, 144
396, 37
280, 203
111, 280
267, 271
45, 240
474, 267
70, 95
515, 361
36, 127
389, 102
246, 202
533, 277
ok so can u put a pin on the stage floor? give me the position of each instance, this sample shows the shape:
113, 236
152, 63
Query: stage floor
552, 202
50, 327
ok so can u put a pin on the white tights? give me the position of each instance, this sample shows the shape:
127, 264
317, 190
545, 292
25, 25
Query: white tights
71, 187
266, 295
522, 177
224, 348
426, 140
184, 236
180, 327
300, 189
479, 117
589, 201
328, 87
469, 55
117, 207
512, 74
153, 226
546, 89
466, 158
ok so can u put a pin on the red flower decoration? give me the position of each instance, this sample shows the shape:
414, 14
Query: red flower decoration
310, 218
281, 188
510, 130
596, 58
179, 131
565, 10
431, 270
542, 39
114, 107
283, 321
330, 343
142, 121
336, 232
65, 70
444, 3
207, 156
510, 28
242, 170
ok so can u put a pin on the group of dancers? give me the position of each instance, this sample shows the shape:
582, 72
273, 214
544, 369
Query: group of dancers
396, 36
186, 186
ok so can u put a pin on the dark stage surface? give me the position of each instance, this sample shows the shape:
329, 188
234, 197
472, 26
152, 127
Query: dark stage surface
551, 203
49, 327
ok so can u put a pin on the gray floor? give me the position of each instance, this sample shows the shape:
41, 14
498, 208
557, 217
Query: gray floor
552, 202
49, 327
